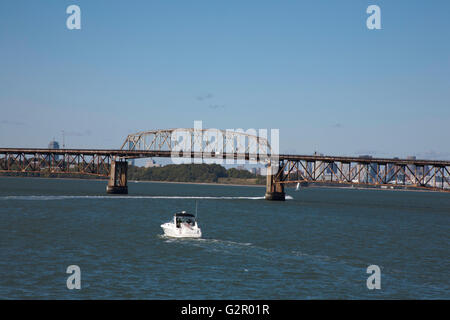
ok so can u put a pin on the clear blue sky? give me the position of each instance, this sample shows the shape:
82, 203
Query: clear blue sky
309, 68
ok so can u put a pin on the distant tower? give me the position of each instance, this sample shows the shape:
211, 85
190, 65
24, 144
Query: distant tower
53, 145
64, 140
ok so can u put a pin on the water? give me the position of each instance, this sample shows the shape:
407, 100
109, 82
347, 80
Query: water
317, 244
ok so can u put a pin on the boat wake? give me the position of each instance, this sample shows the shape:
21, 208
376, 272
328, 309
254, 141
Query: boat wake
225, 242
204, 241
251, 250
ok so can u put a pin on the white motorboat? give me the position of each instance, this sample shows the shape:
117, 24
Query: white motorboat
184, 225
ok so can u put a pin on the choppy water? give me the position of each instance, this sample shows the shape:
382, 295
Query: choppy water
317, 244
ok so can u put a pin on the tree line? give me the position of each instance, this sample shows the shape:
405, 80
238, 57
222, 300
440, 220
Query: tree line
190, 173
172, 172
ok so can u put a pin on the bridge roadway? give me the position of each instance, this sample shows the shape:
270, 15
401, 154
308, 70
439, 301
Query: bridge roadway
134, 154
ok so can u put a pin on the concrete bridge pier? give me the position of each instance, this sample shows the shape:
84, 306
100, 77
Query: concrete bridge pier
274, 191
117, 183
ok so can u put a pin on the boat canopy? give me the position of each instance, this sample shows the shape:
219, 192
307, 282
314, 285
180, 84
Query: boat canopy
184, 215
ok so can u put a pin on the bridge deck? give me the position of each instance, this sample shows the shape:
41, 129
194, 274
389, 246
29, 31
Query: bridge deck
246, 156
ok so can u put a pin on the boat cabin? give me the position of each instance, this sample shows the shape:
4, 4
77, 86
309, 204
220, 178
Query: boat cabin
183, 217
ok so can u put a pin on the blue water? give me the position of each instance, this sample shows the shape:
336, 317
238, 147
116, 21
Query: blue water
317, 244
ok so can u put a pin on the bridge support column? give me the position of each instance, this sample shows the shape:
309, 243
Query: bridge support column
117, 183
274, 191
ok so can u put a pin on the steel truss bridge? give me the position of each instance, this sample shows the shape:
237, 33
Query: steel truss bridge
282, 169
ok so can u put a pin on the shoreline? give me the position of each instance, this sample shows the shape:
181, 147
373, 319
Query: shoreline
203, 183
312, 186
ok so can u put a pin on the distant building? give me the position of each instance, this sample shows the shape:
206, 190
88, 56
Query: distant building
373, 174
391, 170
332, 168
368, 174
53, 145
411, 171
152, 164
319, 166
131, 162
309, 169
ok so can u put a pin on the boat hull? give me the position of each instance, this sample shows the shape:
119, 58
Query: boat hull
173, 232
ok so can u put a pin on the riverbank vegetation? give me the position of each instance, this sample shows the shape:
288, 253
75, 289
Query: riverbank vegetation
194, 173
200, 173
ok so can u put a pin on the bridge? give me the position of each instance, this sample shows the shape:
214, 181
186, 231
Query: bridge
219, 145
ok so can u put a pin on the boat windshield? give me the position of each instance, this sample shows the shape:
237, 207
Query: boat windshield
189, 219
183, 217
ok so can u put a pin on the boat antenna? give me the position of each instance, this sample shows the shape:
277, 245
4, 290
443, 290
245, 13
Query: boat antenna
196, 209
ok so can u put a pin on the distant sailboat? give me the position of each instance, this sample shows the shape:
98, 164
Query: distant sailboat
297, 188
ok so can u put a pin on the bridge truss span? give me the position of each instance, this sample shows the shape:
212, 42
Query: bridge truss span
51, 161
213, 141
384, 173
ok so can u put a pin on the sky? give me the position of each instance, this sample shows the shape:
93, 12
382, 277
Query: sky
311, 69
